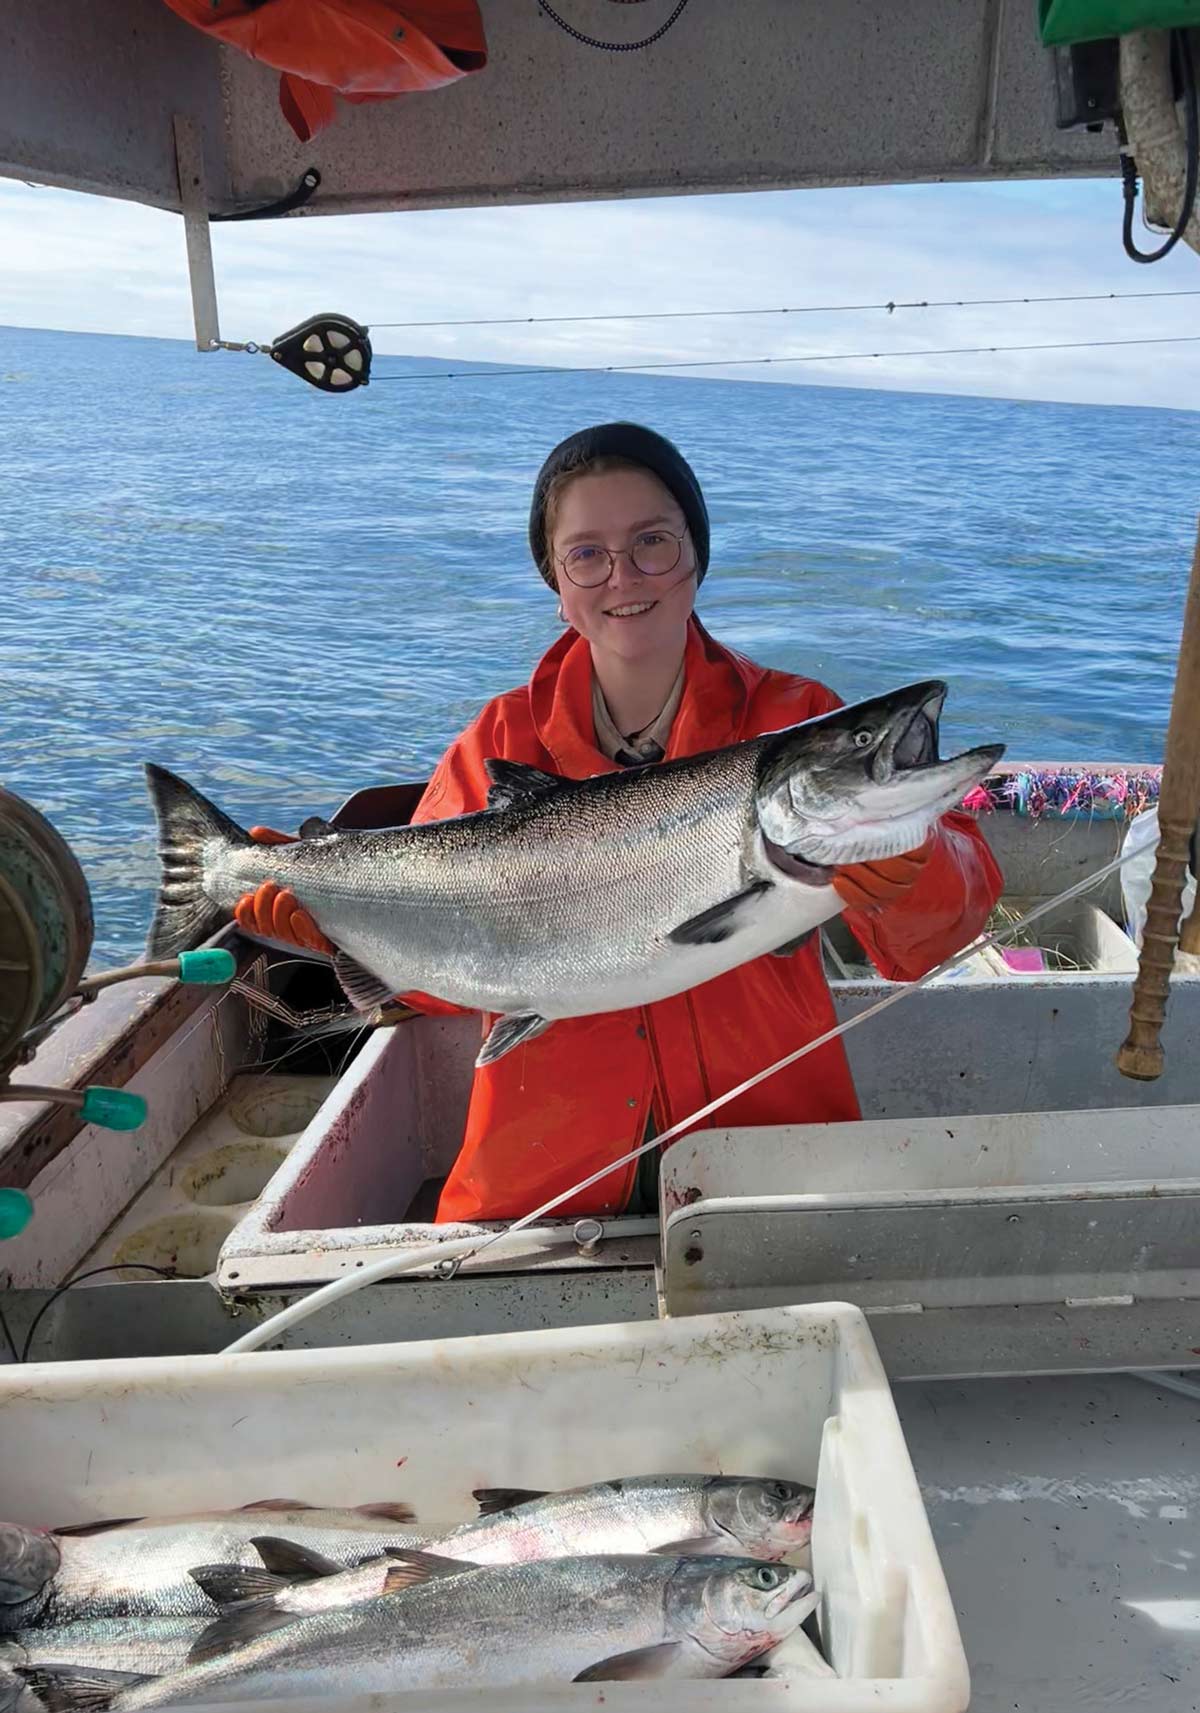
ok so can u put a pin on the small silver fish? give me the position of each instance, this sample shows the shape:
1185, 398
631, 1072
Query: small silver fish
142, 1567
677, 1515
448, 1625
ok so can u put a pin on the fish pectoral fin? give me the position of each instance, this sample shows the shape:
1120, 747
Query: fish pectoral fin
316, 827
515, 782
493, 1499
388, 1511
234, 1584
790, 946
509, 1032
364, 990
656, 1661
292, 1562
72, 1688
696, 1547
720, 921
412, 1567
233, 1629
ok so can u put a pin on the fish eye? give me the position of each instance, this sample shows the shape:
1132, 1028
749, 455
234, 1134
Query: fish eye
863, 738
767, 1577
780, 1490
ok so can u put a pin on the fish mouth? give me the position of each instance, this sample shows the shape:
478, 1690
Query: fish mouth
911, 743
798, 1522
799, 1588
909, 754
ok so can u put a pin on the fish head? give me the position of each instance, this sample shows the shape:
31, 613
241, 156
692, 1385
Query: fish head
28, 1559
765, 1519
737, 1608
864, 782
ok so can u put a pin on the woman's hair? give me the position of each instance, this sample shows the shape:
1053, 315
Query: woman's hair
605, 465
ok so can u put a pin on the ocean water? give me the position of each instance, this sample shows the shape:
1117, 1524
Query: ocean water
285, 596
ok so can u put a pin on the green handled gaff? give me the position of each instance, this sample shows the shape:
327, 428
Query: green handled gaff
109, 1108
209, 966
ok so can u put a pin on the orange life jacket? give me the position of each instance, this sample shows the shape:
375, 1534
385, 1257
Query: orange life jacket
363, 50
565, 1104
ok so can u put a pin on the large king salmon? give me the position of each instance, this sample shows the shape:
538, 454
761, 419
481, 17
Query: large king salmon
567, 897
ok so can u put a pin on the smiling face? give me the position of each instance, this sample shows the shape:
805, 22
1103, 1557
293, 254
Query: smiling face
629, 614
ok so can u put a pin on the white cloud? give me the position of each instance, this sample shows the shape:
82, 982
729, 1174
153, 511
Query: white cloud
91, 264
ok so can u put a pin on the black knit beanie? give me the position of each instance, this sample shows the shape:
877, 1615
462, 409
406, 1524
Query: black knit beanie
640, 446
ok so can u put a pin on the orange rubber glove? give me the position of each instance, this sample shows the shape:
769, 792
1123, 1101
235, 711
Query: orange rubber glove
871, 885
274, 911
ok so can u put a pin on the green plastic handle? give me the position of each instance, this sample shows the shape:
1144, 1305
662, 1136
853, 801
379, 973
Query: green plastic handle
113, 1108
16, 1210
211, 966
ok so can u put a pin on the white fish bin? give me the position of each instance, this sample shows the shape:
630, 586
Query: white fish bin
795, 1393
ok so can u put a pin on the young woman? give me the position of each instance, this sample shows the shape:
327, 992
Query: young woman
619, 530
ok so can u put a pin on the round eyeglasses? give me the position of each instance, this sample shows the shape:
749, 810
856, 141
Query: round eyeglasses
654, 552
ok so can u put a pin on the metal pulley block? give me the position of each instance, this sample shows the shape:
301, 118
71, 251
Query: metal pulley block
45, 923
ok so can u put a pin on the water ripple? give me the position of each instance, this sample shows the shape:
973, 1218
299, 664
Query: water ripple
286, 596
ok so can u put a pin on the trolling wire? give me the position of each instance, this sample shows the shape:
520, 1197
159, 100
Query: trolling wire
448, 1257
815, 357
794, 309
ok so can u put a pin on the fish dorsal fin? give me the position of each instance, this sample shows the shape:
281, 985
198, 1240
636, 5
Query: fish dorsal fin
233, 1629
293, 1562
364, 990
639, 1664
720, 921
388, 1511
515, 782
235, 1584
493, 1499
74, 1688
81, 1529
509, 1032
316, 827
408, 1569
278, 1505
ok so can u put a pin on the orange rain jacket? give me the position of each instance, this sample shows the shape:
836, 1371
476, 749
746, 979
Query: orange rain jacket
363, 50
559, 1107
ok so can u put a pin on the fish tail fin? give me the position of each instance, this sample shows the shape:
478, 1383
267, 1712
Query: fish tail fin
76, 1688
187, 823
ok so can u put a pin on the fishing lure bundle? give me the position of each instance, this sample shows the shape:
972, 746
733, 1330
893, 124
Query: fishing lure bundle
1117, 795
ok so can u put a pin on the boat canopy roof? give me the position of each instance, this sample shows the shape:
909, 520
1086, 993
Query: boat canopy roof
737, 95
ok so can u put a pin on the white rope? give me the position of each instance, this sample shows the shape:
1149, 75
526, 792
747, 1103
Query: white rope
449, 1256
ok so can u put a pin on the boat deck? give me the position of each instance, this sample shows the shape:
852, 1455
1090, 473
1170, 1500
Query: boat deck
1065, 1514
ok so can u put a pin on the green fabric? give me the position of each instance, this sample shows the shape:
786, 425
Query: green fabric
1064, 21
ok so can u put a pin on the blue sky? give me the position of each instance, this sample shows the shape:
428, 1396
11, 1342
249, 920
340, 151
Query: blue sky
95, 265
